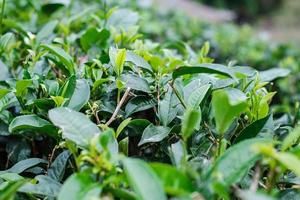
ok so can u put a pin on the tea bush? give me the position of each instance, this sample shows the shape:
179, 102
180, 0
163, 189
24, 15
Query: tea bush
110, 100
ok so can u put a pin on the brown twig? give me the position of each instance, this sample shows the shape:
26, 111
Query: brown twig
95, 113
256, 176
113, 117
177, 94
51, 157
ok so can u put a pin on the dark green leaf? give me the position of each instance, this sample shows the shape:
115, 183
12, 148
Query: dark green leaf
139, 103
64, 57
75, 126
203, 68
154, 134
252, 130
32, 122
57, 168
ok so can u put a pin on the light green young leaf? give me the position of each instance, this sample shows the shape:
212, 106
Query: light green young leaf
143, 180
22, 86
227, 104
291, 139
175, 182
122, 126
191, 122
117, 58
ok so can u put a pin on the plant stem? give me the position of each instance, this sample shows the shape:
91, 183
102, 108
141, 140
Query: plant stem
113, 117
177, 94
2, 16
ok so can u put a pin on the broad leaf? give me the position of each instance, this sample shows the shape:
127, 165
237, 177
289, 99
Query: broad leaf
57, 169
203, 68
136, 83
64, 57
32, 122
231, 166
143, 180
227, 104
175, 182
139, 103
44, 186
80, 186
252, 130
166, 112
75, 126
191, 122
24, 165
154, 134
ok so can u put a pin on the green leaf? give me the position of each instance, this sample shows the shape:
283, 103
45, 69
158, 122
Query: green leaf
123, 19
22, 86
136, 83
6, 40
92, 37
75, 126
80, 96
117, 59
197, 96
272, 74
4, 75
10, 189
44, 186
46, 31
174, 181
143, 180
139, 103
166, 111
227, 104
231, 166
291, 139
68, 88
107, 141
64, 57
252, 130
203, 68
57, 169
8, 101
24, 165
80, 186
138, 61
191, 122
154, 134
122, 126
289, 160
32, 122
3, 91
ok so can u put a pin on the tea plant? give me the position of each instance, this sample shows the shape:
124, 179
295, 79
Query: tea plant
90, 108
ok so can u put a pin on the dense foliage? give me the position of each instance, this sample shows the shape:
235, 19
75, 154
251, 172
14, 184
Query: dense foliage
246, 9
110, 100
